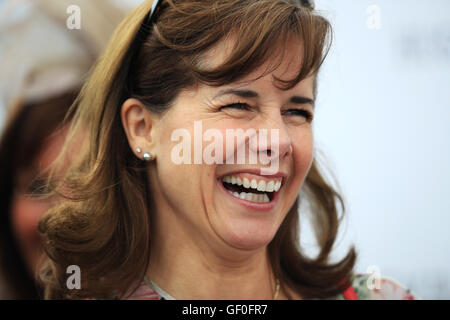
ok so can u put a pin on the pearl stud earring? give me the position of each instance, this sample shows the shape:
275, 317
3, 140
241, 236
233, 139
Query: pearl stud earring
138, 150
147, 156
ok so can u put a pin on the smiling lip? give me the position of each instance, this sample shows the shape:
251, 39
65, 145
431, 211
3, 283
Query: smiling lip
258, 206
255, 172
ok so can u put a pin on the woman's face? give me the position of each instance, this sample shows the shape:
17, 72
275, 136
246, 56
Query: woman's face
236, 204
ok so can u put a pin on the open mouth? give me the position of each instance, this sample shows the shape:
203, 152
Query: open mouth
251, 187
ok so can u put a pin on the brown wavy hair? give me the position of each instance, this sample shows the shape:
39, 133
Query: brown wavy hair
104, 226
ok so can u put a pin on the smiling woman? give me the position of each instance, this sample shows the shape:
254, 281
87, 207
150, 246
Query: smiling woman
137, 223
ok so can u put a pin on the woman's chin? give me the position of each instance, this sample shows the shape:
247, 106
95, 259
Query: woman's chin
247, 237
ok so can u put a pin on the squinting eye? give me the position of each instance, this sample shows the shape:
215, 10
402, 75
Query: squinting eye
238, 106
301, 113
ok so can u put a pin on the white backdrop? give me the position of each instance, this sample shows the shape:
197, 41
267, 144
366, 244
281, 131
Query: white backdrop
383, 121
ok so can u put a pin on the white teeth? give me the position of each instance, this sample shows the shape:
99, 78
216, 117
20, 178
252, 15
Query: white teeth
262, 186
270, 186
251, 196
277, 186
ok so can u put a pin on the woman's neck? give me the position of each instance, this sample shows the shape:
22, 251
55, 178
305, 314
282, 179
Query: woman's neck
186, 267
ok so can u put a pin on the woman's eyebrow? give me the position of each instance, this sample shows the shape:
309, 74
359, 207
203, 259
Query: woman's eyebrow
254, 94
302, 100
237, 92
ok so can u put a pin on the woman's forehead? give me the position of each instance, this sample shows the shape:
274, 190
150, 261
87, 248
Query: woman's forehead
284, 63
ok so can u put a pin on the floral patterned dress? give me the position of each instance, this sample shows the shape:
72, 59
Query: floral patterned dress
362, 289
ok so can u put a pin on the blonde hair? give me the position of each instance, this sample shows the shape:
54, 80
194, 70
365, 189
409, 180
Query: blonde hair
104, 226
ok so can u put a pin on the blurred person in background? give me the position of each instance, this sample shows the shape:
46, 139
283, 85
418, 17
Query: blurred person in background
43, 65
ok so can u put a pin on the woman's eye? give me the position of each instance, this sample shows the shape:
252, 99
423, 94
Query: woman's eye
308, 116
237, 106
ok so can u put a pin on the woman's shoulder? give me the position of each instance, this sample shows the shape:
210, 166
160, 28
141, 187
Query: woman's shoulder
144, 291
369, 287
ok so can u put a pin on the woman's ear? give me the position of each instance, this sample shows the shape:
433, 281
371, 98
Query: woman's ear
139, 125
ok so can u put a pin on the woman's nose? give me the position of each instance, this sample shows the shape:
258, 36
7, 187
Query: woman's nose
274, 140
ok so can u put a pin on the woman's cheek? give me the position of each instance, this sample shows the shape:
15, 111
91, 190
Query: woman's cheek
303, 153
